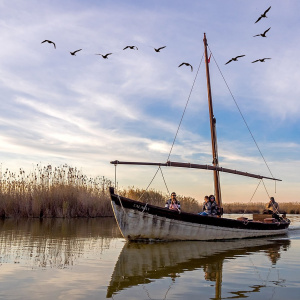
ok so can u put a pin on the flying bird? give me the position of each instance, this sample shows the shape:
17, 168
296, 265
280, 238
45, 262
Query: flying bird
131, 47
186, 64
234, 59
105, 56
261, 59
50, 42
158, 50
74, 53
263, 34
263, 15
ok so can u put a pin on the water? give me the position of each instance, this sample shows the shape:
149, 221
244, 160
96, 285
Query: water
88, 259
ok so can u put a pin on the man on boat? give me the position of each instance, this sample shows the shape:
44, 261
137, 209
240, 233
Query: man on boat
272, 208
173, 203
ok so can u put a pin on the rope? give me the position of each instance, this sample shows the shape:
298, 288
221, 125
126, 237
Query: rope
265, 189
159, 168
121, 204
252, 197
164, 180
149, 183
185, 108
116, 188
116, 176
242, 115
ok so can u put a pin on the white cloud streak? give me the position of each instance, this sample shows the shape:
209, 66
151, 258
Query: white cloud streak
86, 110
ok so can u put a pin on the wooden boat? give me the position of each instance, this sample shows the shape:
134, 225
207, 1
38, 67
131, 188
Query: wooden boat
140, 221
143, 263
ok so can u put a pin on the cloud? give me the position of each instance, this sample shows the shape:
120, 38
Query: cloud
86, 110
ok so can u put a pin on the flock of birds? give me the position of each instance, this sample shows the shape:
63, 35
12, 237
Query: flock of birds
264, 15
105, 56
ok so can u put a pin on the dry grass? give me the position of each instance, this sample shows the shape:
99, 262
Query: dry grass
53, 192
64, 192
233, 208
153, 197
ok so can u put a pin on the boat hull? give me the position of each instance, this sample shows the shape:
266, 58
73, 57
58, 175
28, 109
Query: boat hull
140, 221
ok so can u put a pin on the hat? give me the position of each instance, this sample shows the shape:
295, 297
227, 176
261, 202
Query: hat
272, 199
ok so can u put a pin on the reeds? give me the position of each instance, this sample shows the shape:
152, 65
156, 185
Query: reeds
234, 208
53, 192
157, 198
64, 192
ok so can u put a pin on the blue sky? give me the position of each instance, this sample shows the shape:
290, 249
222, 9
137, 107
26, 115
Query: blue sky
85, 111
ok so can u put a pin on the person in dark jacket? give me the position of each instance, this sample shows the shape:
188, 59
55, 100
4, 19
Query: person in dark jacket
214, 209
210, 207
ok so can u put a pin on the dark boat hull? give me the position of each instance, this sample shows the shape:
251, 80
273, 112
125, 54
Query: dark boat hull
140, 221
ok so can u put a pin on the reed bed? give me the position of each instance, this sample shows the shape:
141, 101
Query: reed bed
157, 198
47, 192
234, 208
64, 192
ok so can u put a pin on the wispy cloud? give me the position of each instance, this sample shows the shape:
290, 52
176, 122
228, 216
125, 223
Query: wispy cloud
86, 110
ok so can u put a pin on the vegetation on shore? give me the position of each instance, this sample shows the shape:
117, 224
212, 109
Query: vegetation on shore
64, 192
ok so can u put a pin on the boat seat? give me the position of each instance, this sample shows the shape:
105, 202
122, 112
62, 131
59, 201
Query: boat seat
261, 217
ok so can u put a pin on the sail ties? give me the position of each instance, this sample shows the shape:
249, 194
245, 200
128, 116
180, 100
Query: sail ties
193, 166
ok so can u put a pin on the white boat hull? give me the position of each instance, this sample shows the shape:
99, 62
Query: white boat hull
140, 225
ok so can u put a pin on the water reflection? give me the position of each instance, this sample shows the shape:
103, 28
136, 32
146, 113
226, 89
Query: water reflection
54, 243
88, 259
144, 263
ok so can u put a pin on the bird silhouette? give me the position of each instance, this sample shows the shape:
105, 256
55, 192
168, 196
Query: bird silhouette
50, 42
131, 47
263, 15
105, 56
186, 64
234, 59
261, 59
158, 49
74, 53
263, 34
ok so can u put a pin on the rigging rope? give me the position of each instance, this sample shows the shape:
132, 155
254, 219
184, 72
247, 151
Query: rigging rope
164, 180
185, 108
149, 184
241, 114
252, 197
159, 168
266, 188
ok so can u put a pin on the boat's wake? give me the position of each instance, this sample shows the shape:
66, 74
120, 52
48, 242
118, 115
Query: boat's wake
294, 227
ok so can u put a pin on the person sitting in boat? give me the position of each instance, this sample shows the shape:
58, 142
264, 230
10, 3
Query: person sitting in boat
272, 208
210, 207
214, 209
206, 207
173, 203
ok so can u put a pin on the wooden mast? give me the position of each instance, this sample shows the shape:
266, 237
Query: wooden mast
213, 131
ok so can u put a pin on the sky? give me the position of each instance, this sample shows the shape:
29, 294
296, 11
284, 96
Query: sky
85, 111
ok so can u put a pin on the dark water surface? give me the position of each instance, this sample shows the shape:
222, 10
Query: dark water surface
88, 259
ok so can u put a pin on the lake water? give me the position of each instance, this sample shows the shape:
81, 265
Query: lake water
89, 259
